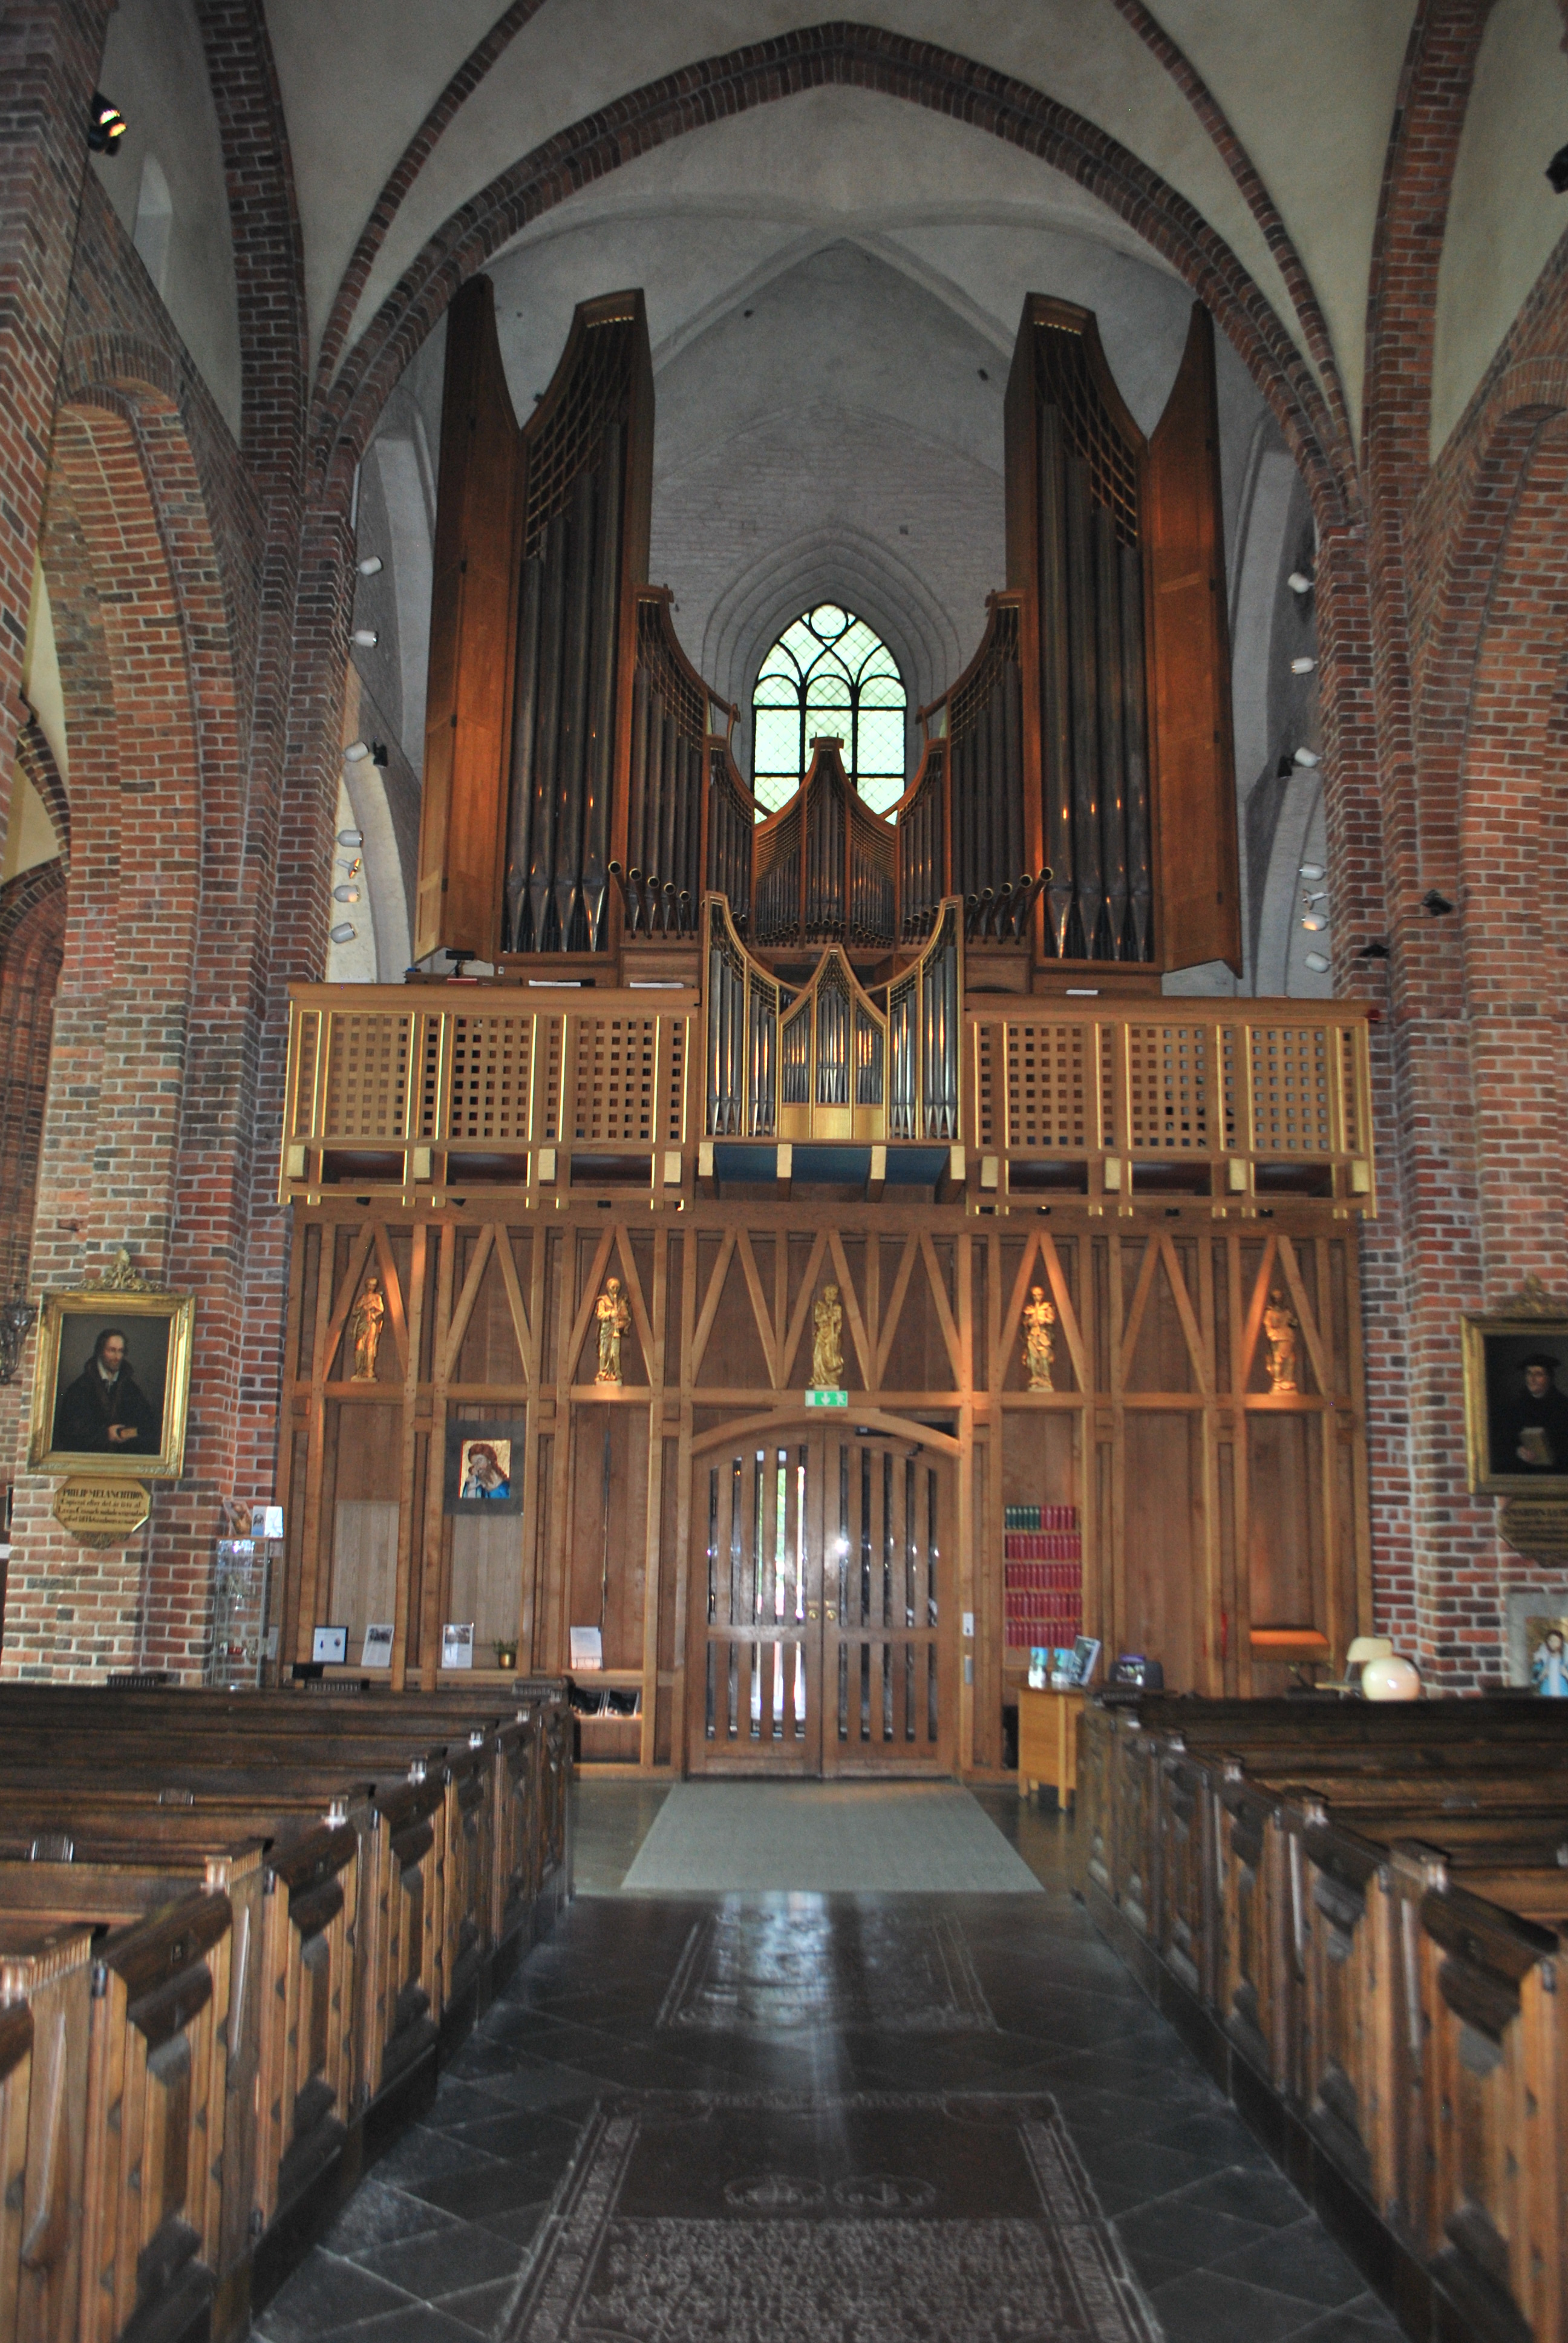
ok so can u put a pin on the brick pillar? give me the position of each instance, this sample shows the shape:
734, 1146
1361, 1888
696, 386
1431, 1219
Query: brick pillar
49, 56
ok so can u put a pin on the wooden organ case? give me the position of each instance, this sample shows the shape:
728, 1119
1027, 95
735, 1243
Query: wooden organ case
725, 1075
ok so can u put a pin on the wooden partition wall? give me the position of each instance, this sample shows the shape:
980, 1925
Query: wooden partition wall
1211, 1507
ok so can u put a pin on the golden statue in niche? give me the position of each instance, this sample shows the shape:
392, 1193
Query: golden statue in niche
614, 1318
827, 1344
1279, 1326
1038, 1351
365, 1329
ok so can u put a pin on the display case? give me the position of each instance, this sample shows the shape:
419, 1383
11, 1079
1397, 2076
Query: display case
242, 1636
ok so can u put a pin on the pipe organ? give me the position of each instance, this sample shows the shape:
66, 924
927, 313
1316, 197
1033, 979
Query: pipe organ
810, 1110
1075, 788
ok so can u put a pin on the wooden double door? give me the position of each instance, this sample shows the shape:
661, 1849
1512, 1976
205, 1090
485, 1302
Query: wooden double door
822, 1636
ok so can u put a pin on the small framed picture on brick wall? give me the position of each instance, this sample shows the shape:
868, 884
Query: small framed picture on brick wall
111, 1383
1517, 1405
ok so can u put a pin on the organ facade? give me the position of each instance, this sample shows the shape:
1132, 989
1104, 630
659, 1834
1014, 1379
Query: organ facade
910, 1069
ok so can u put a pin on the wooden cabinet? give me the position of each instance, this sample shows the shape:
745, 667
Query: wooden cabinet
1047, 1742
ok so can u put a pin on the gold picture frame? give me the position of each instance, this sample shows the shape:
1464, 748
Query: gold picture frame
1499, 1397
155, 1328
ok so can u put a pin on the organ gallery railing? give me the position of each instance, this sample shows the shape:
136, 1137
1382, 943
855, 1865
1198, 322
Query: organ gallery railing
426, 1087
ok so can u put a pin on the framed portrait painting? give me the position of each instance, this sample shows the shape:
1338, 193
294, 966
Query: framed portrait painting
484, 1468
1516, 1406
111, 1383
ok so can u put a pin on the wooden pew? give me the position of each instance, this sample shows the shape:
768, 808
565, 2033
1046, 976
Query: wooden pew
1318, 1902
46, 1978
408, 1847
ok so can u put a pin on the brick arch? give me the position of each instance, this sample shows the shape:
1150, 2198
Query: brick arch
1514, 866
852, 55
32, 941
148, 1134
36, 760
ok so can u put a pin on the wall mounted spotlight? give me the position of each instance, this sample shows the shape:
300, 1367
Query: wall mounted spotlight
1308, 757
378, 752
366, 637
1376, 949
1284, 769
370, 566
351, 838
1557, 172
346, 894
1435, 903
1317, 963
1302, 666
1311, 871
344, 933
356, 752
1299, 582
107, 126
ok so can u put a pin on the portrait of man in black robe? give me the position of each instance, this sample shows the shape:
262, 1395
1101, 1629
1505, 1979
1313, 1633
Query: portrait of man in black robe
1529, 1422
104, 1411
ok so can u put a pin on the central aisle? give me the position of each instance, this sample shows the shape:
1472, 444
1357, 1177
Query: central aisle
885, 1838
800, 2118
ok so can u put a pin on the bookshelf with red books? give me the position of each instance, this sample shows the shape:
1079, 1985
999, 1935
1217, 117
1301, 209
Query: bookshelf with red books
1043, 1576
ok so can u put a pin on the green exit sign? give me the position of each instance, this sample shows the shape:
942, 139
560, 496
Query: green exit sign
827, 1399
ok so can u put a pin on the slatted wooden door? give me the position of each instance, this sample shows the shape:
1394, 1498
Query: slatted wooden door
820, 1624
888, 1644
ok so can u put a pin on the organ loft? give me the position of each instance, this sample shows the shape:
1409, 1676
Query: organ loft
783, 1254
727, 1061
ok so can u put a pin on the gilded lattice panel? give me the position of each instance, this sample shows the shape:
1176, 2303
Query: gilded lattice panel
988, 1054
674, 1080
367, 1075
1353, 1138
1051, 1088
307, 1054
614, 1078
1168, 1089
492, 1067
1292, 1111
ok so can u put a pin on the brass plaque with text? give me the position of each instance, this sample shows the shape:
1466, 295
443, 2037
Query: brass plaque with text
1536, 1526
102, 1514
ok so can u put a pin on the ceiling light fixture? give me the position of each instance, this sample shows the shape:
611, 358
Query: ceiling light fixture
1317, 963
1302, 666
107, 126
346, 894
1314, 923
351, 838
1309, 757
370, 566
1299, 582
1308, 870
366, 636
344, 933
356, 752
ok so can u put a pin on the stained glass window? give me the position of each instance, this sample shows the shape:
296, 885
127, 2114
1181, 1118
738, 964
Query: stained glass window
829, 675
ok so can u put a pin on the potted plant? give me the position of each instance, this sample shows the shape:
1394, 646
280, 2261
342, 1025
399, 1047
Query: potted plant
506, 1655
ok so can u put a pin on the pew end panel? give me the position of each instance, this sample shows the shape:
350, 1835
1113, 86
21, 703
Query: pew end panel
50, 1971
156, 2087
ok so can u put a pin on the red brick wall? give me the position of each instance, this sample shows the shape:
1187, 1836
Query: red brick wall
204, 699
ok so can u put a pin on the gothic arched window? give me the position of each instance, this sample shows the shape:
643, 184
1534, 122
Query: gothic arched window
829, 674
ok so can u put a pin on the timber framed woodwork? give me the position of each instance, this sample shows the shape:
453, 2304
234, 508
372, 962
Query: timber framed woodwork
1215, 1512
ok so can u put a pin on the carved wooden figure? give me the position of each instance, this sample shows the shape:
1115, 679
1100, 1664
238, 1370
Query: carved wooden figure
1039, 1353
614, 1318
365, 1329
828, 1344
